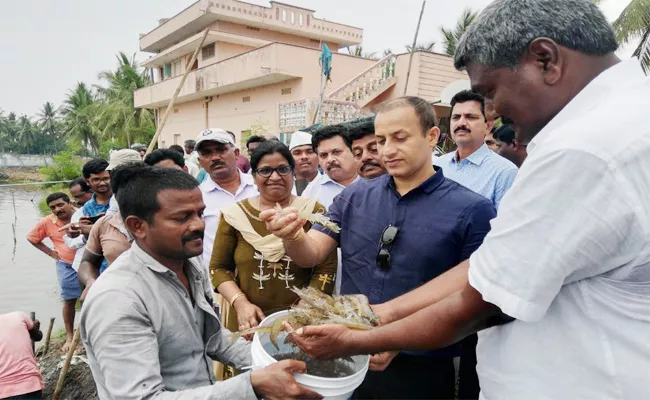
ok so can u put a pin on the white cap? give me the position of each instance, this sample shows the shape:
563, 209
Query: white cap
299, 138
214, 135
121, 157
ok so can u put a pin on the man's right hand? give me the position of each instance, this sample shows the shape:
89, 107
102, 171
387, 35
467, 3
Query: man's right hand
285, 226
277, 382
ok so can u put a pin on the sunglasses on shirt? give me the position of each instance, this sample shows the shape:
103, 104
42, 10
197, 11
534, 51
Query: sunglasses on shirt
387, 238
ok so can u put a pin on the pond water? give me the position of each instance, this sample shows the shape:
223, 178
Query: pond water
27, 277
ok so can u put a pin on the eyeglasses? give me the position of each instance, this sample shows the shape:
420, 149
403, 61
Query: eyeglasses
265, 172
387, 238
100, 180
80, 195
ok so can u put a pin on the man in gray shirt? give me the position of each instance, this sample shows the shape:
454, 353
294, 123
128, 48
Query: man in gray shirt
149, 324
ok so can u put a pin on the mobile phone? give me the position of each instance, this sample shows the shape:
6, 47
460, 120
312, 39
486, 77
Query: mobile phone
94, 219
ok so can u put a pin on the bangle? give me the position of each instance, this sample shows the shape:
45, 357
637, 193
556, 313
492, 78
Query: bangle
235, 297
299, 235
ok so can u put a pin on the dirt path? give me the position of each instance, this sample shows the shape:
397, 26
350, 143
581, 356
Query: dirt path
79, 383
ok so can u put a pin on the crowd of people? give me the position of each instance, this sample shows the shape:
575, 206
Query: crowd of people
552, 273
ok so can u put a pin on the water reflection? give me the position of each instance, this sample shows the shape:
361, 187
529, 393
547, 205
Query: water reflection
27, 277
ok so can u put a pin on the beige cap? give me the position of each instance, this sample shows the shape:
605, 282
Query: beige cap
121, 157
214, 135
299, 138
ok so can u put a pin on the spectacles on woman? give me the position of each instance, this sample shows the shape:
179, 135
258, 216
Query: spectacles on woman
266, 172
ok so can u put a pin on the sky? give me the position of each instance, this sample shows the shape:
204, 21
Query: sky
48, 46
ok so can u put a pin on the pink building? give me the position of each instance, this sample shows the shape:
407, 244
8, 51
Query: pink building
258, 72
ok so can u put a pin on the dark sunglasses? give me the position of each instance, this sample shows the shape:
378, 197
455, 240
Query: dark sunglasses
387, 238
265, 172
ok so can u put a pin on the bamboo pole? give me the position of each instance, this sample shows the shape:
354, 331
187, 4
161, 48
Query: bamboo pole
66, 365
415, 41
188, 68
48, 337
32, 316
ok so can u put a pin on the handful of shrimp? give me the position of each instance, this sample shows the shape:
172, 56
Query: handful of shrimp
315, 218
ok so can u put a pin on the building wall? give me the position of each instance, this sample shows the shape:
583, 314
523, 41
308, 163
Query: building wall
231, 111
436, 71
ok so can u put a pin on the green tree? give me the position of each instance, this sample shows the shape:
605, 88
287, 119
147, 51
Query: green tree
634, 23
50, 127
80, 112
450, 37
359, 52
118, 118
421, 47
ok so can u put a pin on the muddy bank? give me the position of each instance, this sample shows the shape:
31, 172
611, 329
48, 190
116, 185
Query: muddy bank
78, 384
14, 174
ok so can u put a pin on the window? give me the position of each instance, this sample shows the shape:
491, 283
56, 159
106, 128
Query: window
286, 91
246, 99
177, 68
177, 138
293, 18
284, 15
161, 73
168, 70
300, 19
207, 51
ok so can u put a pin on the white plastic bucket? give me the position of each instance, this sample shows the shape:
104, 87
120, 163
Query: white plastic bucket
330, 388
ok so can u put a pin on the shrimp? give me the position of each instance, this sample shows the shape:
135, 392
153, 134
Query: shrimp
315, 218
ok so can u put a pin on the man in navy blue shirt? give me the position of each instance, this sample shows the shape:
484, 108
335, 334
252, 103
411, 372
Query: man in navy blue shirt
397, 232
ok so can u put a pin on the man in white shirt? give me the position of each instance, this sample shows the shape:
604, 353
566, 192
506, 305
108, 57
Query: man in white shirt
81, 192
568, 258
334, 152
306, 159
225, 185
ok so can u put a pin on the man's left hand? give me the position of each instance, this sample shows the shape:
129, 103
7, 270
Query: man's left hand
381, 361
327, 341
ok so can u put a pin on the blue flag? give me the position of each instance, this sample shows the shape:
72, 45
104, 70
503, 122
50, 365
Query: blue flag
326, 61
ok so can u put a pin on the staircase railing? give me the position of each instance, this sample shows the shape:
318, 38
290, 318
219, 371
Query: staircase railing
367, 82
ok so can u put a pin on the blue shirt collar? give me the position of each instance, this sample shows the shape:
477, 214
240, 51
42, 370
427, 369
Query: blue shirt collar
476, 157
427, 186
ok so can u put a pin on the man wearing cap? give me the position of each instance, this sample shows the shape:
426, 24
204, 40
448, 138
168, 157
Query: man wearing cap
306, 160
225, 185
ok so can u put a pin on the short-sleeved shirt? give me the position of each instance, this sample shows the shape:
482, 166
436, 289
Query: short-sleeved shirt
106, 238
19, 372
93, 208
324, 189
48, 227
215, 198
569, 255
484, 171
440, 224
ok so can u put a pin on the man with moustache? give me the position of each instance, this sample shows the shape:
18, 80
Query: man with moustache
149, 324
306, 161
473, 164
334, 152
225, 185
364, 149
559, 289
50, 227
397, 232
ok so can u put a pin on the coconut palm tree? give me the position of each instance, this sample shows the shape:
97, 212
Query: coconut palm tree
633, 23
80, 112
118, 117
358, 51
452, 36
421, 47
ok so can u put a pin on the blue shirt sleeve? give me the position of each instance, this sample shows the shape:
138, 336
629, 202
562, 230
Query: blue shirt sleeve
503, 183
476, 227
334, 214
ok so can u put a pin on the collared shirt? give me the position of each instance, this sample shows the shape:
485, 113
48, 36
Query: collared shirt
216, 198
440, 224
77, 244
93, 208
19, 373
113, 207
295, 192
48, 227
569, 255
109, 238
483, 171
324, 189
145, 337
